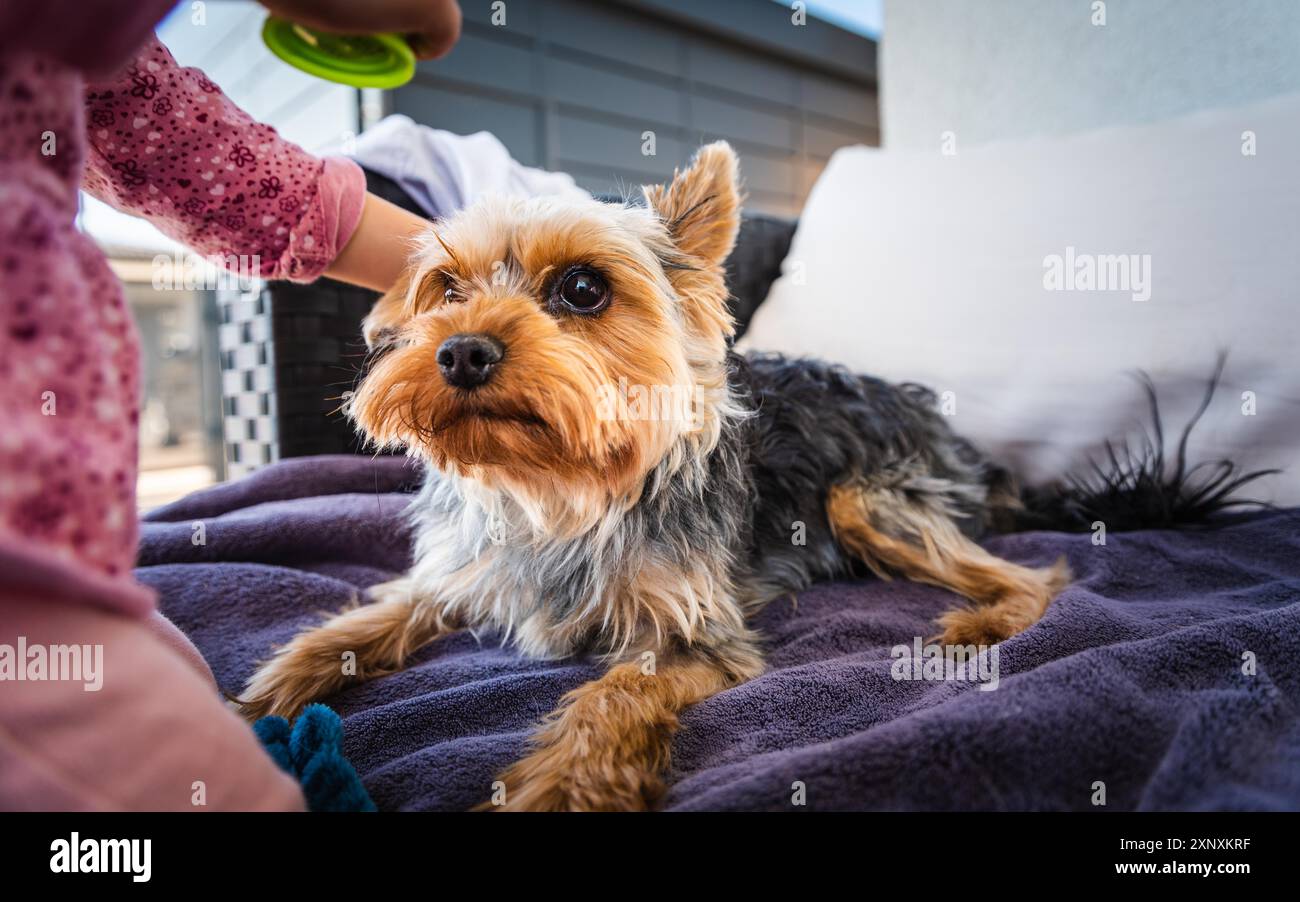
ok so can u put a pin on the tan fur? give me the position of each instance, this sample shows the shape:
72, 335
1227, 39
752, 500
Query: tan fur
381, 634
889, 533
608, 744
702, 208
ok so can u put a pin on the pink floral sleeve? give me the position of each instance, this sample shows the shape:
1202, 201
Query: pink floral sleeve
166, 144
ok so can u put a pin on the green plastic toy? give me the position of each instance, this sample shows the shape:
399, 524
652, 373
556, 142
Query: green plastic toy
362, 61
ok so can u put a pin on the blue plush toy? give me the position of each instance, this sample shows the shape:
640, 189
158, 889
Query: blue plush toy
312, 753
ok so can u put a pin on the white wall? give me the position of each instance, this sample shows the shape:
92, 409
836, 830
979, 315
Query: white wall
992, 69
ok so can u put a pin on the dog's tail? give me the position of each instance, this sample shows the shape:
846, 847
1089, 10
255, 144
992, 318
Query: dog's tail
1138, 487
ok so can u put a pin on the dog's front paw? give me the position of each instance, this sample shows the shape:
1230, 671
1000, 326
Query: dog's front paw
287, 683
552, 780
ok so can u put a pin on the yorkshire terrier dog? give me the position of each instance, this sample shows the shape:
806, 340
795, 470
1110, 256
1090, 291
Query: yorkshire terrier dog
647, 541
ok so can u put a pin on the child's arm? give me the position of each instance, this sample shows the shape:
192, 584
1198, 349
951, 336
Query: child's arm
377, 252
166, 144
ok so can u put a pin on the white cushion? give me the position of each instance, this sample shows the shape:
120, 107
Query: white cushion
932, 268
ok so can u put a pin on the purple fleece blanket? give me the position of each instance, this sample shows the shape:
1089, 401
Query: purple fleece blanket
1169, 671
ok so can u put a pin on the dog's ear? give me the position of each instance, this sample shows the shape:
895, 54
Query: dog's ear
701, 205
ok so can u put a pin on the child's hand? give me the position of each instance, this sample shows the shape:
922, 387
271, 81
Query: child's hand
431, 27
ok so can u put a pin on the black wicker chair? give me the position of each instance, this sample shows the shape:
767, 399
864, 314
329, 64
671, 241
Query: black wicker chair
289, 351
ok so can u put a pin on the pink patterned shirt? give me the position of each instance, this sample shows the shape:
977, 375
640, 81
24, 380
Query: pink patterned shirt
153, 139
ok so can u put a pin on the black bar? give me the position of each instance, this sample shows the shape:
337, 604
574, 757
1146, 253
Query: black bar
442, 851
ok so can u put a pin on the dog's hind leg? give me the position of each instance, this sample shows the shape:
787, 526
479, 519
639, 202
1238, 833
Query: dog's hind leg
891, 530
358, 644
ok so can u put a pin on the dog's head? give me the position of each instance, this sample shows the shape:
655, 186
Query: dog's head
567, 346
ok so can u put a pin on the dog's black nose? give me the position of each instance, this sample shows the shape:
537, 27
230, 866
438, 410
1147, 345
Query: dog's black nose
466, 361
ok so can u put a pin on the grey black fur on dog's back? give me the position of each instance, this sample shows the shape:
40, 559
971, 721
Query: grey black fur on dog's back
817, 424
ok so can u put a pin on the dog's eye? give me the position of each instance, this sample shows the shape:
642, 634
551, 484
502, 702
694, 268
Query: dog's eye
452, 296
584, 291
